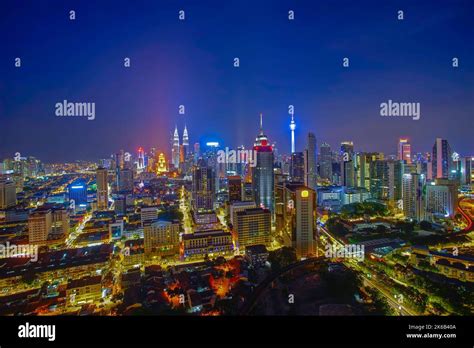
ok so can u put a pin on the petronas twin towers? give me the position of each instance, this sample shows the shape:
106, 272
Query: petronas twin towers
179, 151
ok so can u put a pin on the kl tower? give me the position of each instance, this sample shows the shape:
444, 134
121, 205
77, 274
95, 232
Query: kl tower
292, 127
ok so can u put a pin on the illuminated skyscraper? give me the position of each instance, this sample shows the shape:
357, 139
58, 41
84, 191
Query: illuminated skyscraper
161, 165
185, 141
442, 198
39, 226
125, 181
442, 160
102, 189
7, 194
197, 152
175, 149
297, 168
296, 217
404, 150
203, 189
292, 127
325, 162
234, 183
310, 162
347, 164
262, 173
413, 200
78, 192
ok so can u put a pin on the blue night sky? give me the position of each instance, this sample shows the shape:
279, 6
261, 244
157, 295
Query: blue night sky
191, 62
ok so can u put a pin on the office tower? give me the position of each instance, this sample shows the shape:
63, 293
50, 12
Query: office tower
197, 152
203, 186
465, 169
7, 194
310, 162
161, 238
175, 149
347, 147
125, 181
148, 214
234, 184
442, 159
240, 167
141, 160
325, 162
59, 222
120, 206
77, 192
252, 227
102, 189
404, 150
247, 192
297, 168
235, 207
295, 210
39, 226
413, 200
292, 128
212, 243
346, 164
442, 198
262, 173
395, 180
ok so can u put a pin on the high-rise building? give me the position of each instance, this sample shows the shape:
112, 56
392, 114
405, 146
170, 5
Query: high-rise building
442, 159
404, 150
161, 238
252, 227
442, 198
310, 162
234, 184
347, 164
185, 141
325, 162
39, 226
203, 186
77, 192
59, 222
7, 194
120, 205
175, 149
262, 173
125, 181
465, 170
297, 168
148, 214
102, 188
413, 200
197, 152
235, 207
295, 209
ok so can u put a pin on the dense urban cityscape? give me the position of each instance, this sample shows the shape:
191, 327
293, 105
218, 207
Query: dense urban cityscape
203, 229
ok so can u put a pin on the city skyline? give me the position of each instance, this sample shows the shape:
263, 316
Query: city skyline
139, 105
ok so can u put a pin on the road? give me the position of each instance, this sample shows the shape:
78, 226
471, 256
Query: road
398, 307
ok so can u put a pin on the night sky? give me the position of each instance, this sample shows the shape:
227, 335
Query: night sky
190, 62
